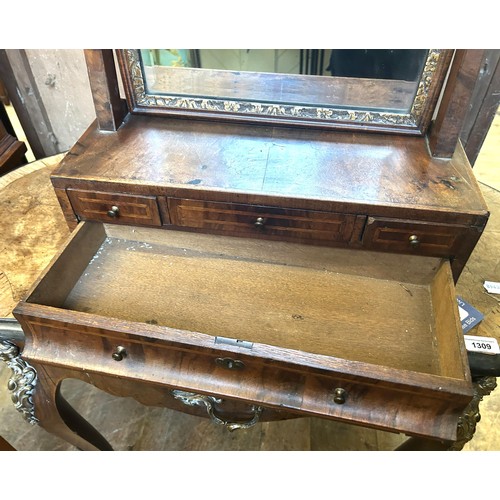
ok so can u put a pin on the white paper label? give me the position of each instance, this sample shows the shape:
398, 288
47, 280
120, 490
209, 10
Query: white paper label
487, 345
492, 286
463, 313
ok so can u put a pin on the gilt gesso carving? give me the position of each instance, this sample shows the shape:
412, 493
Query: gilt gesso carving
22, 382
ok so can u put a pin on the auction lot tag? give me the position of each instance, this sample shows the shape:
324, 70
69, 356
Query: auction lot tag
486, 345
492, 286
469, 316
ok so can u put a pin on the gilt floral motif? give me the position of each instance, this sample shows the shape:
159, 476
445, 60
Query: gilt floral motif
22, 382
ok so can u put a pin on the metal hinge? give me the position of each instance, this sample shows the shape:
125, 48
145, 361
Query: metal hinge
234, 342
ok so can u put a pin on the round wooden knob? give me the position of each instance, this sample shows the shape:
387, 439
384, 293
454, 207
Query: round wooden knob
119, 353
113, 211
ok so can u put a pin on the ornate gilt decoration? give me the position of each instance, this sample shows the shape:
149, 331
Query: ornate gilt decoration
22, 382
327, 114
425, 83
193, 399
471, 416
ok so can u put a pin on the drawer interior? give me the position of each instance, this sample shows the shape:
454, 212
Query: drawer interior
392, 310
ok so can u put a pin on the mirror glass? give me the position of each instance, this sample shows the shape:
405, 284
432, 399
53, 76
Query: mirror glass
368, 79
389, 90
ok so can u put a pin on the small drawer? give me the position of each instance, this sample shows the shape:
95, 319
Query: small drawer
393, 235
250, 220
115, 208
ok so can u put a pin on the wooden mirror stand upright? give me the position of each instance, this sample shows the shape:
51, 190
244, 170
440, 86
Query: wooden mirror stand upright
248, 272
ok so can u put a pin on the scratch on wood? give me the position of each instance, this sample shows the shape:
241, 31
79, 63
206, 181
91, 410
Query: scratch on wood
448, 184
406, 289
9, 283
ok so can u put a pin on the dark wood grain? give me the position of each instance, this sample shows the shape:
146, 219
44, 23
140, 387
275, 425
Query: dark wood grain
24, 94
445, 130
59, 417
395, 235
4, 96
5, 446
110, 108
11, 151
67, 209
402, 403
484, 104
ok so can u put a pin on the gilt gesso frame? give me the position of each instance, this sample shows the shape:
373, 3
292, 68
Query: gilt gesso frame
274, 112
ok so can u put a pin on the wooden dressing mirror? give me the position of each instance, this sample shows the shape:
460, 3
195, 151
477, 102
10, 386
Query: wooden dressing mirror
249, 273
381, 89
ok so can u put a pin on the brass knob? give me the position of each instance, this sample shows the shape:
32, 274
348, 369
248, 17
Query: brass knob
113, 211
119, 353
260, 222
414, 241
339, 395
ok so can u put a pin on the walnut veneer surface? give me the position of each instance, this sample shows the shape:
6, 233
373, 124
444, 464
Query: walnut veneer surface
292, 167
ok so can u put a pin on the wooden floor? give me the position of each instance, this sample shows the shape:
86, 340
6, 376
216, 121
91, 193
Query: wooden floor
130, 426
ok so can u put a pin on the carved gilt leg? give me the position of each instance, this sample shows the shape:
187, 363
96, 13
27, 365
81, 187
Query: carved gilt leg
22, 382
36, 395
483, 386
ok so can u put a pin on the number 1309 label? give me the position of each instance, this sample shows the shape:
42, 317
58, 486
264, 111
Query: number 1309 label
486, 345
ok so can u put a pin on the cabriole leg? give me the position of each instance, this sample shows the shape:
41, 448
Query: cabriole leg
36, 395
58, 417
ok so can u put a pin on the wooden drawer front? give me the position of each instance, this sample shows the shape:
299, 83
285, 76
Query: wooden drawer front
238, 376
249, 220
408, 236
116, 208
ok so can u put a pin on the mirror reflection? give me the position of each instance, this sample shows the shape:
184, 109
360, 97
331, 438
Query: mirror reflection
383, 80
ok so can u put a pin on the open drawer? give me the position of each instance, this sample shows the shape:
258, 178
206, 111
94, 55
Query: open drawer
368, 338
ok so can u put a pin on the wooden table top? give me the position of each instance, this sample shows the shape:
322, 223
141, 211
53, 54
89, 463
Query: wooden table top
32, 226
